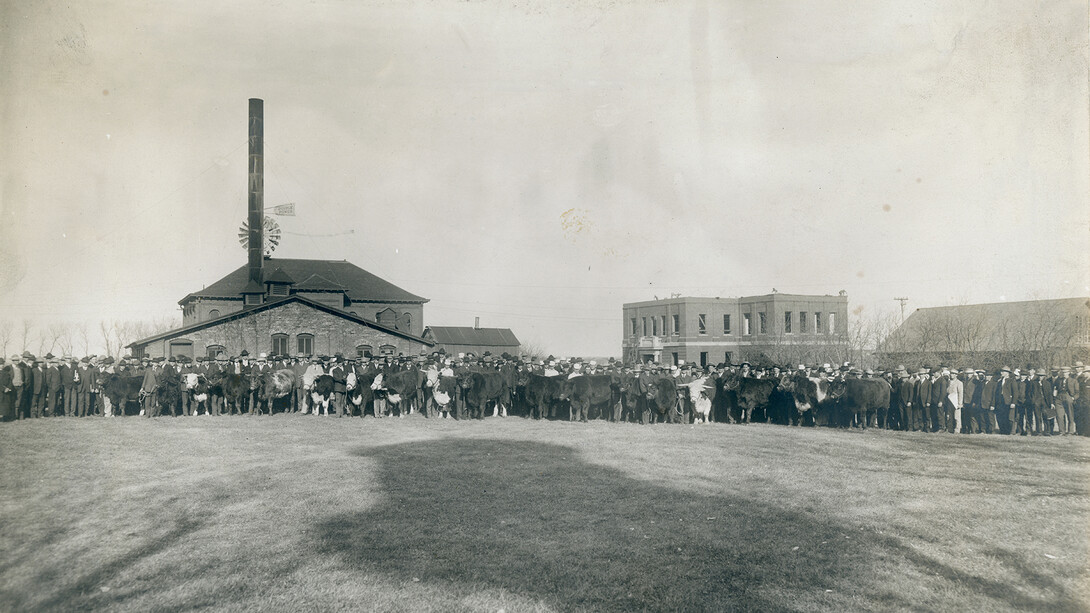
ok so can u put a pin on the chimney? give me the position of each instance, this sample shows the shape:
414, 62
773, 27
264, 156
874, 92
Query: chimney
476, 323
256, 190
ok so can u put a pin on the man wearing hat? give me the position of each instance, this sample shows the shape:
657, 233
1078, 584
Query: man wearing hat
952, 402
84, 386
1005, 401
1067, 391
901, 399
922, 399
37, 387
68, 385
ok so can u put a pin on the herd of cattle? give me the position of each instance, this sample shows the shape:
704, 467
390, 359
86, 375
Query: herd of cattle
476, 390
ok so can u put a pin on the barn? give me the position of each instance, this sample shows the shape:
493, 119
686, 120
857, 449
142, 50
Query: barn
459, 339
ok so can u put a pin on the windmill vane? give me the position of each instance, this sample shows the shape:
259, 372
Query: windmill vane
271, 235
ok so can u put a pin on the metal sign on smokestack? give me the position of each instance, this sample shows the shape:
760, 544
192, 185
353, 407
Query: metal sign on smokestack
256, 201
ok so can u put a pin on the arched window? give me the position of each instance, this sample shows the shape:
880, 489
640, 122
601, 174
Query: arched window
304, 343
364, 351
387, 350
387, 317
214, 313
279, 344
215, 351
407, 320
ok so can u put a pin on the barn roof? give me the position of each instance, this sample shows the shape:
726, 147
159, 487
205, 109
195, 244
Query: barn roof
272, 305
314, 275
995, 326
458, 335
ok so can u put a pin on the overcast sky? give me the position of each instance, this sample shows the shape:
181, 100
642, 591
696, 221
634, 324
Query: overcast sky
539, 163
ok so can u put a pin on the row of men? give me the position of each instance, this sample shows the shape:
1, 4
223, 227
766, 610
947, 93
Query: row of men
1029, 401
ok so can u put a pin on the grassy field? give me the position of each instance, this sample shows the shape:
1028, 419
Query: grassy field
301, 513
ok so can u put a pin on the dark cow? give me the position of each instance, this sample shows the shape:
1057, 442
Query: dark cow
856, 397
122, 390
660, 401
232, 388
482, 389
321, 393
540, 394
585, 392
360, 395
401, 389
814, 404
752, 394
168, 395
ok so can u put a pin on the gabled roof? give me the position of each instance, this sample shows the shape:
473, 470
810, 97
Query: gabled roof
316, 275
995, 326
279, 276
272, 305
456, 335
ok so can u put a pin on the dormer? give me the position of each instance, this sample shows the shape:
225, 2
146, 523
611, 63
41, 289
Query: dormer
253, 294
278, 284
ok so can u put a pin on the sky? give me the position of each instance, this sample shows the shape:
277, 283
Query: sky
539, 163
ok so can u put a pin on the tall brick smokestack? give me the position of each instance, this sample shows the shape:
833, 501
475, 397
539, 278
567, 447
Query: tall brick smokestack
256, 200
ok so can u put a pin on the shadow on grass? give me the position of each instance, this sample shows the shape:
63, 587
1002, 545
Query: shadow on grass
534, 520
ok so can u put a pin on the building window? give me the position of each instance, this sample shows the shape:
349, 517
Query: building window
763, 322
702, 323
654, 326
817, 323
363, 351
677, 324
214, 313
802, 322
726, 324
215, 351
745, 324
252, 299
644, 326
787, 322
407, 319
726, 358
676, 362
278, 289
703, 359
832, 323
387, 349
279, 344
304, 344
635, 330
179, 348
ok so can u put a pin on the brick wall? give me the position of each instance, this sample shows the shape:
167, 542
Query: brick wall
331, 334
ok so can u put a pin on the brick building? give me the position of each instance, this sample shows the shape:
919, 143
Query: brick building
335, 283
780, 328
283, 326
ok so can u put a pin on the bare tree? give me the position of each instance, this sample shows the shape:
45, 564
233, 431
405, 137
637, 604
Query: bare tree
6, 330
24, 334
84, 337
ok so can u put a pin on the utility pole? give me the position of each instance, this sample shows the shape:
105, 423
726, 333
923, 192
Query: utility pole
902, 301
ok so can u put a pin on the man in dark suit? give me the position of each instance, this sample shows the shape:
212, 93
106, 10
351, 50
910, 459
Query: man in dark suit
20, 380
37, 389
7, 393
938, 396
923, 399
340, 376
53, 388
1006, 395
68, 383
84, 387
